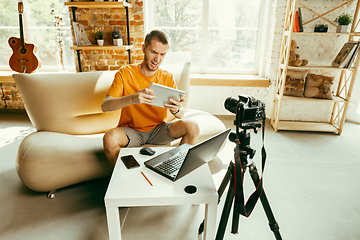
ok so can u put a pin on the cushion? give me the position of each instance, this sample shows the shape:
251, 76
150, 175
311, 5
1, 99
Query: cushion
48, 161
295, 83
318, 86
67, 102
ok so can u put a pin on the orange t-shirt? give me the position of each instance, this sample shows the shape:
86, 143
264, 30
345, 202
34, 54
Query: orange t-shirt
129, 80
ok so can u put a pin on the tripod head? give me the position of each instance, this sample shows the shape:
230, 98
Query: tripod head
242, 149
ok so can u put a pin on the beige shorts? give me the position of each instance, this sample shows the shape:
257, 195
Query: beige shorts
159, 135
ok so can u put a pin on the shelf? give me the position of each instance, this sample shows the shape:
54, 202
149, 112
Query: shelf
122, 4
105, 47
305, 99
6, 77
323, 33
98, 4
315, 67
305, 126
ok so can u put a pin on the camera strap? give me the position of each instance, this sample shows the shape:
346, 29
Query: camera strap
240, 207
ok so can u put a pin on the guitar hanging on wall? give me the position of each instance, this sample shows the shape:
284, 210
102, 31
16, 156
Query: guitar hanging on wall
23, 59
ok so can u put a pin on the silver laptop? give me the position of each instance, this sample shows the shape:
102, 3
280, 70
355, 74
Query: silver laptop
182, 160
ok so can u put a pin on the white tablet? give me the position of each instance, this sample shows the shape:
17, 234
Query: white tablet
163, 94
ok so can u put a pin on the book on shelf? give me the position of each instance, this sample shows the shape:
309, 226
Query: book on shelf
353, 56
296, 27
300, 21
346, 55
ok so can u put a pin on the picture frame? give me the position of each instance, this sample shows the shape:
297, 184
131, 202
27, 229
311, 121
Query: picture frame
80, 35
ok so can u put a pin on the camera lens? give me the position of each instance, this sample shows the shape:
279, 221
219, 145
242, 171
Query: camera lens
231, 104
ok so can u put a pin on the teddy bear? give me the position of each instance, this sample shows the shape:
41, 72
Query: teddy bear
294, 58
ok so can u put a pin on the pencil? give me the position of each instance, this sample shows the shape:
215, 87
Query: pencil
146, 178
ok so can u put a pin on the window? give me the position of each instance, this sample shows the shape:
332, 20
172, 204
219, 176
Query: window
216, 36
38, 29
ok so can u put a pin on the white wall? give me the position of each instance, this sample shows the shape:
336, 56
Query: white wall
319, 50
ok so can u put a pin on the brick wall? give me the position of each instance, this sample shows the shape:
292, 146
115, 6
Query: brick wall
108, 20
12, 97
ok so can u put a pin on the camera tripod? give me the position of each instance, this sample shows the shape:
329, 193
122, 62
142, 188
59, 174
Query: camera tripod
241, 152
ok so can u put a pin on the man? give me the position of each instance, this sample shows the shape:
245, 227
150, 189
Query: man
141, 123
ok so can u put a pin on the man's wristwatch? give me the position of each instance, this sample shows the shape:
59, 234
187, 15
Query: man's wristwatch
176, 112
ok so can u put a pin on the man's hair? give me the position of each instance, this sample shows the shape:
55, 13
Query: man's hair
156, 35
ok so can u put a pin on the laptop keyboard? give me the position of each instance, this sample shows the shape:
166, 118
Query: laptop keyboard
172, 164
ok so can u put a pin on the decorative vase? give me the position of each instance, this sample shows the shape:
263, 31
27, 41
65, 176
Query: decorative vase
342, 28
117, 42
100, 42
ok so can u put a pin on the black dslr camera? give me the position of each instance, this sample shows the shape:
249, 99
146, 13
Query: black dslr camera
249, 111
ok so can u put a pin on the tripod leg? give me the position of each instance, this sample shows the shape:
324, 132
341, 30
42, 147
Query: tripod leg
265, 203
221, 190
225, 180
274, 226
226, 211
235, 222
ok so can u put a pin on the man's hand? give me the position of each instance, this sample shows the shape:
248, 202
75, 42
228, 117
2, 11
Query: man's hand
144, 96
174, 106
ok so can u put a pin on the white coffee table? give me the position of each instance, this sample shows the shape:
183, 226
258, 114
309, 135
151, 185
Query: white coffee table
128, 187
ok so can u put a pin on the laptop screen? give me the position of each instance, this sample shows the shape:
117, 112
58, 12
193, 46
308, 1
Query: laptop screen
203, 152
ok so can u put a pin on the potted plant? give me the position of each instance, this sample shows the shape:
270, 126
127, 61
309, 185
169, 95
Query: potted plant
100, 36
117, 37
321, 28
343, 20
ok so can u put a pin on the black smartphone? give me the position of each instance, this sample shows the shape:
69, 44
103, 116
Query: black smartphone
130, 161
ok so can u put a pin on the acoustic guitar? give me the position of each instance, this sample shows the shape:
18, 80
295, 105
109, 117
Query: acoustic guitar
23, 59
